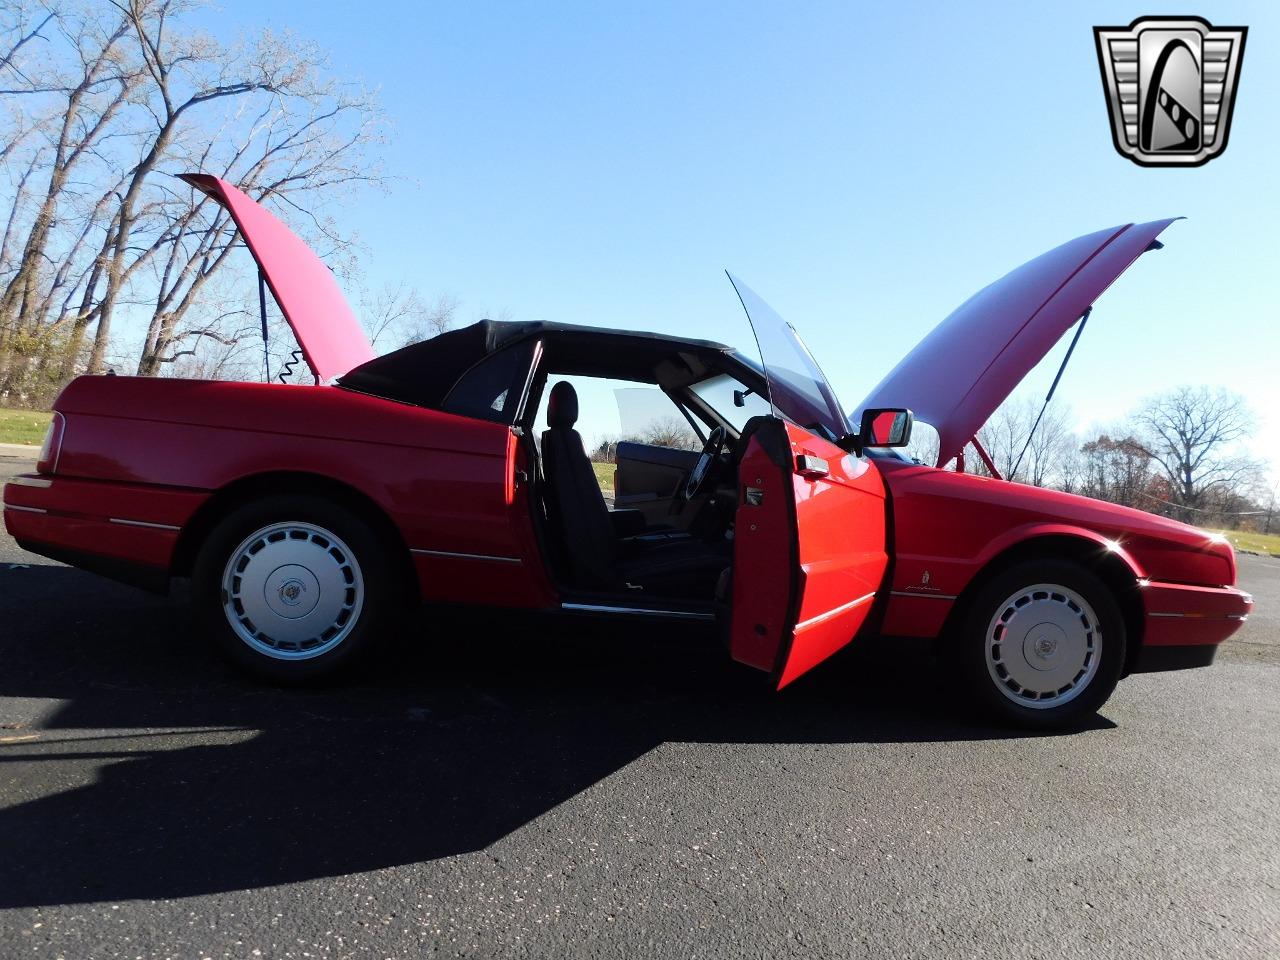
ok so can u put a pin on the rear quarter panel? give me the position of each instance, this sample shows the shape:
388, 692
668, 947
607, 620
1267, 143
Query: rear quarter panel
445, 481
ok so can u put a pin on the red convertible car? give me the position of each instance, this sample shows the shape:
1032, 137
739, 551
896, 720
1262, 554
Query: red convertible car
307, 515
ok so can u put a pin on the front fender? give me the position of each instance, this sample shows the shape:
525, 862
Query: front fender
1017, 536
926, 588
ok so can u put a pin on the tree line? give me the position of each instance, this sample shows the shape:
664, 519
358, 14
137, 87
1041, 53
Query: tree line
104, 101
1182, 454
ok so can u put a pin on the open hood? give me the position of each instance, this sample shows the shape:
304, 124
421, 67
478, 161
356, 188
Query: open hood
329, 334
969, 363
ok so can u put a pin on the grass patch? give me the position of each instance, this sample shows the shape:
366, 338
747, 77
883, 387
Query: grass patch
1256, 542
604, 475
23, 426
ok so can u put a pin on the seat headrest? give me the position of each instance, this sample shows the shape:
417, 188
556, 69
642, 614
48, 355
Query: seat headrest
562, 406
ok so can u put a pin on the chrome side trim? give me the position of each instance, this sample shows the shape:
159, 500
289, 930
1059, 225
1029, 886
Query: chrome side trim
464, 556
636, 611
14, 506
40, 483
142, 523
1198, 616
823, 617
927, 596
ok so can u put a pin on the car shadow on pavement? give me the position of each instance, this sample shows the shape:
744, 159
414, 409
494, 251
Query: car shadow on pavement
157, 772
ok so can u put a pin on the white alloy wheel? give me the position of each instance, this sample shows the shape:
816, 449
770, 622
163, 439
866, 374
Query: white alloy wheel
1043, 646
292, 591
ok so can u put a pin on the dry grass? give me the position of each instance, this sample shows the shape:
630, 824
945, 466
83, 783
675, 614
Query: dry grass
604, 475
23, 426
1254, 542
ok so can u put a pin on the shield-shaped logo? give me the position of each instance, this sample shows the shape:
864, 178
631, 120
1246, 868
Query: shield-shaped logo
1170, 84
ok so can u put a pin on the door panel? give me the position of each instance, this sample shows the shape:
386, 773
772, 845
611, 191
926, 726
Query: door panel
649, 478
809, 550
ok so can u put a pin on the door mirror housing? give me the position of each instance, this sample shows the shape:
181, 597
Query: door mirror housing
885, 427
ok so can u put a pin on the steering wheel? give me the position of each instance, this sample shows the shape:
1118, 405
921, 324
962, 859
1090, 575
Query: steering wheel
708, 460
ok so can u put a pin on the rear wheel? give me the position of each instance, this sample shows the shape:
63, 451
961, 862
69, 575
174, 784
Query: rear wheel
1043, 644
294, 588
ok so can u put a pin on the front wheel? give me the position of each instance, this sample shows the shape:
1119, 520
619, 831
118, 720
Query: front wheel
1043, 644
293, 589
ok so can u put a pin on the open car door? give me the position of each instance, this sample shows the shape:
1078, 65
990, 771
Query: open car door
809, 541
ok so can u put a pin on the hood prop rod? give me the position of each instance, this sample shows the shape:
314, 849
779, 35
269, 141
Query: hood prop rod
1084, 318
986, 457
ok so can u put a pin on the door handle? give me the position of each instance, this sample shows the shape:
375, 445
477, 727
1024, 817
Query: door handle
812, 468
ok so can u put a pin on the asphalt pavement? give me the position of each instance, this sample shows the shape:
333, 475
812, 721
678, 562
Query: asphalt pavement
518, 787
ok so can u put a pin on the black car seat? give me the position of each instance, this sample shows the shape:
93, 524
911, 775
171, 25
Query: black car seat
579, 517
575, 505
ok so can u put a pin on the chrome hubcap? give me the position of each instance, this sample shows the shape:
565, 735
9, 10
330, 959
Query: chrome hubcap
292, 591
1043, 646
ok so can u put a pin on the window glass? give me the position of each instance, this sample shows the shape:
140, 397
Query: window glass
717, 392
799, 389
610, 411
491, 389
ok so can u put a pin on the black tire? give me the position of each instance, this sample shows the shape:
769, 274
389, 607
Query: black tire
379, 601
978, 651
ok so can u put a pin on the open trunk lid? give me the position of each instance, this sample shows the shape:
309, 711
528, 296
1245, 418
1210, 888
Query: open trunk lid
329, 334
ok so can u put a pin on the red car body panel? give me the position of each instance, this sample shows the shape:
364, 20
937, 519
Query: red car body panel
329, 334
1180, 614
31, 516
832, 529
957, 376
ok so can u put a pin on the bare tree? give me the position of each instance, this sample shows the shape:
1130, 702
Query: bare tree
398, 315
1023, 450
21, 25
75, 104
923, 447
1071, 470
283, 147
189, 72
671, 432
1190, 434
1119, 470
115, 96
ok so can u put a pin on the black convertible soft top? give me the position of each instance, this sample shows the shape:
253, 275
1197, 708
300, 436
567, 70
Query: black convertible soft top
423, 373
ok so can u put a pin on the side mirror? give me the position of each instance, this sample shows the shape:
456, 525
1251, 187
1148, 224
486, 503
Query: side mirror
888, 427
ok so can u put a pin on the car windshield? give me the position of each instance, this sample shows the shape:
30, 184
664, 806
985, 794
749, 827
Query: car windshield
797, 387
718, 393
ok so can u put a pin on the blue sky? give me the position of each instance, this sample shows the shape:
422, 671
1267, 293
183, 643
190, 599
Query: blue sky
864, 168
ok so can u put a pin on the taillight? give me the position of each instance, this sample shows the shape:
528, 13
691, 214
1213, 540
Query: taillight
48, 462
